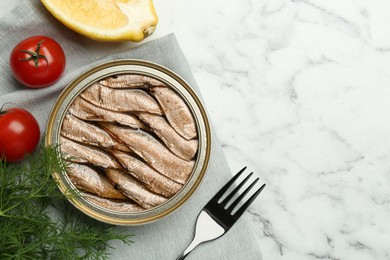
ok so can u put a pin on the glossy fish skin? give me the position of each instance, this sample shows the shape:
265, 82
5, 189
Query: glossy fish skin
153, 152
180, 146
78, 130
134, 189
153, 180
121, 206
131, 81
79, 153
123, 100
86, 178
176, 111
87, 111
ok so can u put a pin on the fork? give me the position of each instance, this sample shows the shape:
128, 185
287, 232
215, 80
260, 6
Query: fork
216, 218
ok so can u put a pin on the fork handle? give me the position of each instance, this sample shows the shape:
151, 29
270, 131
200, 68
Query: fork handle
188, 250
206, 229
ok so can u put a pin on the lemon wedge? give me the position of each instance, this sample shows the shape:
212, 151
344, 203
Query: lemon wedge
106, 20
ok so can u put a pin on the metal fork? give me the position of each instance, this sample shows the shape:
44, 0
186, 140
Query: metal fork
215, 219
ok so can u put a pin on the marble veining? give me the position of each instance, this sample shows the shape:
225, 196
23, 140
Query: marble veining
298, 90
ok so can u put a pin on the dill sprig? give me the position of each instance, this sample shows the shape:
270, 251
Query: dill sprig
36, 220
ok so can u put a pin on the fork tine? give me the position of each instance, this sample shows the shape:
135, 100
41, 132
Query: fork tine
248, 202
227, 185
230, 196
235, 203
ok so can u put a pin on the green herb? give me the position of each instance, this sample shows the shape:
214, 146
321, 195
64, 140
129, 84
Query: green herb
37, 222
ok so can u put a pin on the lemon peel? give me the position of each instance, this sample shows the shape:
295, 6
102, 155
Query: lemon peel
106, 20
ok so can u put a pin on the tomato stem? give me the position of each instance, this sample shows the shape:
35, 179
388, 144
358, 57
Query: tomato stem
35, 55
2, 107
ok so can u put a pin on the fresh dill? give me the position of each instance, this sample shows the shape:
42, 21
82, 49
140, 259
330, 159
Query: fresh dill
37, 222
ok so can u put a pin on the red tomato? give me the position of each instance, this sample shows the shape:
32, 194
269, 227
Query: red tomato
37, 62
19, 134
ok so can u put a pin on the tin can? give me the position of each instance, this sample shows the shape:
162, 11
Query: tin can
181, 87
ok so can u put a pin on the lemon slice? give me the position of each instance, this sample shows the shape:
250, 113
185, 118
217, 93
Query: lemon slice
106, 20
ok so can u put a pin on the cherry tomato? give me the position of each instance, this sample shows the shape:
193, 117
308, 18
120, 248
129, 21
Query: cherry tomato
19, 134
37, 62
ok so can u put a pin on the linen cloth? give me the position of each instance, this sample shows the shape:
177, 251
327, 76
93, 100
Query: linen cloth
166, 238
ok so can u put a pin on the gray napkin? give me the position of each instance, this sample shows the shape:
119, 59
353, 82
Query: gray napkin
166, 238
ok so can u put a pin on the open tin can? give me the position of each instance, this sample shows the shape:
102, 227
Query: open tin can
171, 80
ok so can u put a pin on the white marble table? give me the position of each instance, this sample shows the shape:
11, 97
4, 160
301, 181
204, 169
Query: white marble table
299, 91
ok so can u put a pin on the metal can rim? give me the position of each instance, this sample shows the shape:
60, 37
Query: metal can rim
154, 70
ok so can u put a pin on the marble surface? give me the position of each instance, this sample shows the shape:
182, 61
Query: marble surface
299, 91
